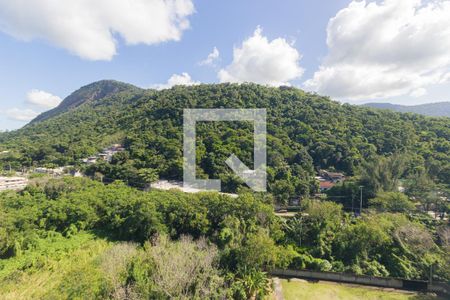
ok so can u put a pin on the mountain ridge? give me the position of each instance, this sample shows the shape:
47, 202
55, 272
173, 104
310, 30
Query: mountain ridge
88, 93
436, 109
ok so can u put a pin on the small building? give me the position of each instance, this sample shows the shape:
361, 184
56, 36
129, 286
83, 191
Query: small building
320, 178
332, 176
13, 183
56, 171
90, 160
325, 185
106, 155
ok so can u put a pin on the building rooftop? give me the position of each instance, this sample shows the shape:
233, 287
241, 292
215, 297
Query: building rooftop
326, 184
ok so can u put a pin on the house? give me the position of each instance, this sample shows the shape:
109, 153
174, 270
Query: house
106, 155
13, 183
90, 160
328, 179
116, 148
320, 178
56, 171
326, 185
332, 176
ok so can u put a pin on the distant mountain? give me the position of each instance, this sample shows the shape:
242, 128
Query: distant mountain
439, 109
89, 93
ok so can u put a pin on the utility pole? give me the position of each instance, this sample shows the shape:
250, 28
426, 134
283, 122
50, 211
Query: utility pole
360, 199
353, 198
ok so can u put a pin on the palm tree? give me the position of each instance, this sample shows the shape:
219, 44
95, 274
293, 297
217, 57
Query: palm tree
255, 283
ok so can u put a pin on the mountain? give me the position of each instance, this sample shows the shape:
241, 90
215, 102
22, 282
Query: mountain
306, 132
89, 93
439, 109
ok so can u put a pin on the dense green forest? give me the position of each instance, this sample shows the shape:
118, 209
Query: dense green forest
77, 238
306, 132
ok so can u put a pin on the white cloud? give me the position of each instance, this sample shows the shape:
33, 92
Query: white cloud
211, 59
392, 48
43, 99
418, 93
23, 115
445, 78
262, 61
87, 28
176, 79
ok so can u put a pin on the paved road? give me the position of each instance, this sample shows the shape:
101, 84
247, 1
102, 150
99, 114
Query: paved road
278, 288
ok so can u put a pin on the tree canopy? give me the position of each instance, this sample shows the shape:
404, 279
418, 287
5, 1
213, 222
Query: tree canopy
305, 132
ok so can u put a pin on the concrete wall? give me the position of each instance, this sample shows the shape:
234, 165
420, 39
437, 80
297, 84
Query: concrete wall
341, 277
436, 287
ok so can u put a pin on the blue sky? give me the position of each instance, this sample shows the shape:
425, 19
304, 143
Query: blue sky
38, 63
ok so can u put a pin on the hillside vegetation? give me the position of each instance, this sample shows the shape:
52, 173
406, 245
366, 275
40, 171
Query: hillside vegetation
75, 238
79, 238
306, 132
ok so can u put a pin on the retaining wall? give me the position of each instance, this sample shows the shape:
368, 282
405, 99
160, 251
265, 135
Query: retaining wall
417, 285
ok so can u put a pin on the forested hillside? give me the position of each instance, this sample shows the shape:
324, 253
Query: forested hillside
306, 132
75, 238
89, 93
79, 238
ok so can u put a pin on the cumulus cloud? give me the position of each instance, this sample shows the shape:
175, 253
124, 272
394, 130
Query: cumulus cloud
38, 99
176, 79
384, 49
23, 115
211, 59
262, 61
445, 78
87, 28
43, 99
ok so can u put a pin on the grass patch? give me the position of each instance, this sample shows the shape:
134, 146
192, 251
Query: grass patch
301, 289
58, 268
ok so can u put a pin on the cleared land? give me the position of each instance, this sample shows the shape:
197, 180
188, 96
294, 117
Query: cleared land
302, 289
